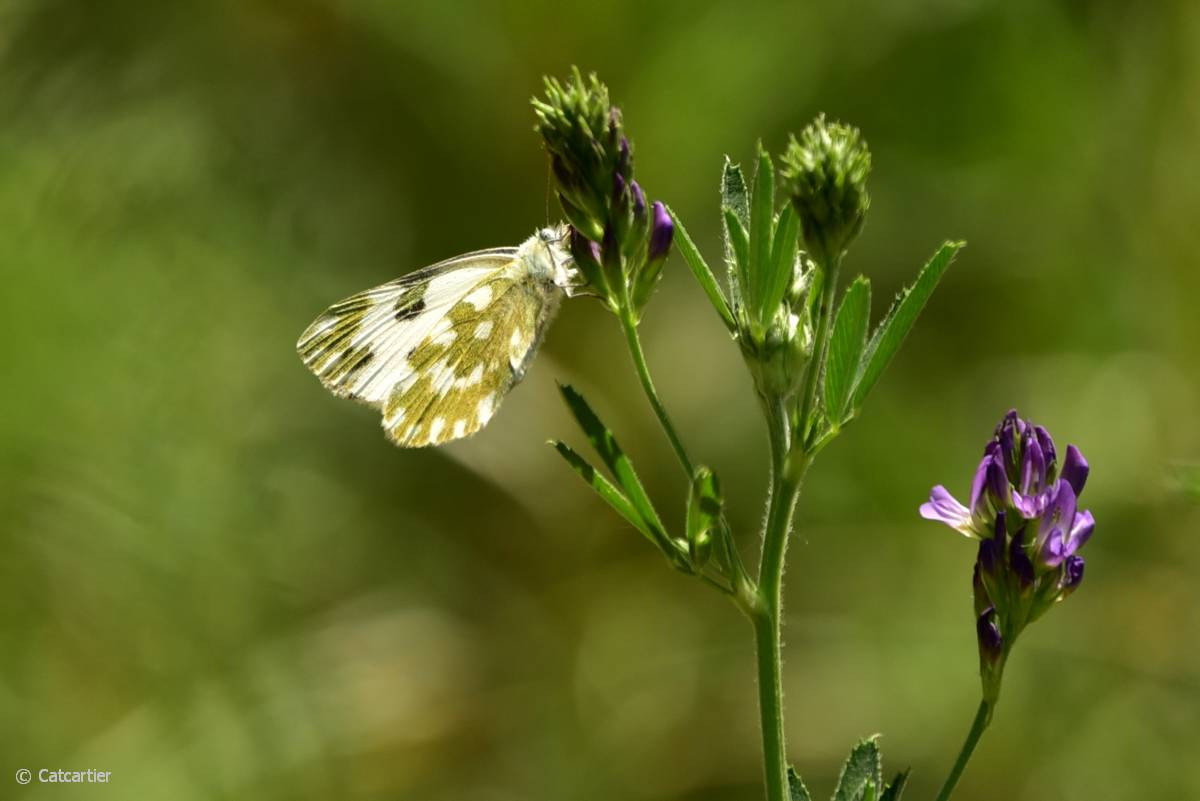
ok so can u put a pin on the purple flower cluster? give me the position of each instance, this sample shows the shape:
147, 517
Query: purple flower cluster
1024, 510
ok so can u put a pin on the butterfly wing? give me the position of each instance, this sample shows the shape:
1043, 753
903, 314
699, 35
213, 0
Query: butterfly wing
437, 350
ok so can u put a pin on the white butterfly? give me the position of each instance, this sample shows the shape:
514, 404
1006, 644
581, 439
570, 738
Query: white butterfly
437, 350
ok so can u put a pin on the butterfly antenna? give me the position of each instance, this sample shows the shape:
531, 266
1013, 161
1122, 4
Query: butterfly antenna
548, 177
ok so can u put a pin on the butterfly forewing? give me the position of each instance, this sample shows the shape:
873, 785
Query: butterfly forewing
437, 350
358, 347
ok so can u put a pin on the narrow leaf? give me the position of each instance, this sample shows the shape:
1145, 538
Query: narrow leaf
846, 348
615, 459
604, 488
735, 212
796, 789
704, 276
863, 767
762, 229
737, 244
896, 788
900, 318
783, 258
733, 192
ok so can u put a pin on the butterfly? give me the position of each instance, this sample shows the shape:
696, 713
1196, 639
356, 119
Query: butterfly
437, 350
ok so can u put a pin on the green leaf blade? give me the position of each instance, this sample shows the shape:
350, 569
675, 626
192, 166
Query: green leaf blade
783, 258
607, 491
796, 789
617, 462
863, 770
737, 242
700, 269
735, 213
734, 195
762, 230
890, 333
896, 788
846, 345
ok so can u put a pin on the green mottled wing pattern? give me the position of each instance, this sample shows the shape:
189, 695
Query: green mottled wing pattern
469, 362
437, 350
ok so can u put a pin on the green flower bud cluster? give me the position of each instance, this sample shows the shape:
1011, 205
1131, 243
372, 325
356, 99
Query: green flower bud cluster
618, 243
825, 175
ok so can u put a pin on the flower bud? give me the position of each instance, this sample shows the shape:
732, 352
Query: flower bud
1020, 564
825, 173
662, 231
583, 135
586, 255
661, 234
1072, 575
991, 652
1075, 469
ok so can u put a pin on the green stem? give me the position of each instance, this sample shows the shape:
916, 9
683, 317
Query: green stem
982, 718
629, 326
785, 490
770, 704
817, 364
739, 587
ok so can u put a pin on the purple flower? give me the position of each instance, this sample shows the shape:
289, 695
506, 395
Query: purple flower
662, 231
1024, 510
989, 490
1019, 470
945, 507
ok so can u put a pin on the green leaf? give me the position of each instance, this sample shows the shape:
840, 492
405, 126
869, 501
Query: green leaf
896, 788
737, 243
900, 318
863, 770
703, 513
704, 276
617, 462
846, 347
605, 489
783, 258
796, 789
733, 192
762, 229
735, 211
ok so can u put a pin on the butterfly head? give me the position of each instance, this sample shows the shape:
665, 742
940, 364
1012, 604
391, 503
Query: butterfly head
549, 250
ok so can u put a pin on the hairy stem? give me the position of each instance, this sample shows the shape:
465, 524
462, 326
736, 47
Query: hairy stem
982, 718
629, 326
785, 490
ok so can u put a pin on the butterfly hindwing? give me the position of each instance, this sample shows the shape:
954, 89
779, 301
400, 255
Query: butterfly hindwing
469, 361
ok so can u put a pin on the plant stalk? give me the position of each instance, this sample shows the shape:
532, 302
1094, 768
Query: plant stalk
629, 326
982, 718
785, 490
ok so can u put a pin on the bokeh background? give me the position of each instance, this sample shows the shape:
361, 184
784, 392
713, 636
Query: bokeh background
219, 582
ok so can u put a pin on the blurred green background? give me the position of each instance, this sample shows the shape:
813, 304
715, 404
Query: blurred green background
219, 582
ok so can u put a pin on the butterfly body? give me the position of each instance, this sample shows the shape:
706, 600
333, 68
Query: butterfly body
437, 350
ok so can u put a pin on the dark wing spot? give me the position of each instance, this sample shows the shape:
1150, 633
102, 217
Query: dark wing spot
410, 311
